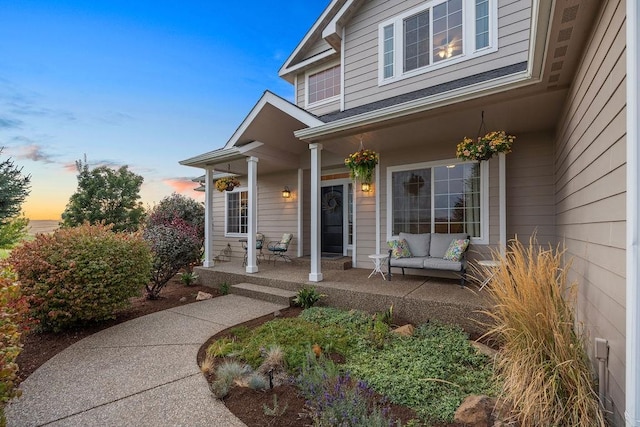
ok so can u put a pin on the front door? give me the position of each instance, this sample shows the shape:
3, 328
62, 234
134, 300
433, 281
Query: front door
332, 219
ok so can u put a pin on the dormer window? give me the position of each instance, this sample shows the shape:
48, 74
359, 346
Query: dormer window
434, 35
323, 86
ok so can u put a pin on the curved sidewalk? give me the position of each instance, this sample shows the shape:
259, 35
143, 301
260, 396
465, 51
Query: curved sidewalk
139, 373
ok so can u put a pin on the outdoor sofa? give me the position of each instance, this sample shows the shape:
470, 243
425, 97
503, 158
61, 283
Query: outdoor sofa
430, 251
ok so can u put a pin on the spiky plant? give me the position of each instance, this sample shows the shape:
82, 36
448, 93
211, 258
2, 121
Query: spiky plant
545, 371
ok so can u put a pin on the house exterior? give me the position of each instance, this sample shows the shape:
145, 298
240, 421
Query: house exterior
409, 79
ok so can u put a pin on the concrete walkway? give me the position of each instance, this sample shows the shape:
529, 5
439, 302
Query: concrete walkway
139, 373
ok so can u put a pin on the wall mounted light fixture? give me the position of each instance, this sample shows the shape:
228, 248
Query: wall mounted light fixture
365, 187
286, 193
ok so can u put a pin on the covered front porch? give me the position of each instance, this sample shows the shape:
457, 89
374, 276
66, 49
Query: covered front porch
416, 299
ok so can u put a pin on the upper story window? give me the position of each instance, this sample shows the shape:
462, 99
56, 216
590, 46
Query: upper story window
436, 34
324, 85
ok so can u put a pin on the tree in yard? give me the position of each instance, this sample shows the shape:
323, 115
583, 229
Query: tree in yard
174, 230
13, 231
105, 195
14, 188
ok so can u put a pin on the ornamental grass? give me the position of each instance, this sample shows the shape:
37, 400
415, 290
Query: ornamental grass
546, 375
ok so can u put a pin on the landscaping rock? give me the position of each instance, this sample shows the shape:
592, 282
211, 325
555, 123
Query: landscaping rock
183, 299
405, 331
475, 411
203, 296
484, 349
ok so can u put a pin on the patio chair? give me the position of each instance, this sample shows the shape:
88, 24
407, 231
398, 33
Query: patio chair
259, 244
278, 248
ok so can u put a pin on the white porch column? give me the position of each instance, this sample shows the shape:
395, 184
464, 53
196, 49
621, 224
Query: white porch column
252, 217
632, 362
316, 163
208, 219
300, 195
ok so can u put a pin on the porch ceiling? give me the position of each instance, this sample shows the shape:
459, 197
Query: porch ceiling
517, 113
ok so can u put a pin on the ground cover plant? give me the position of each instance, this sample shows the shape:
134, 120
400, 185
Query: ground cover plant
81, 274
351, 370
543, 365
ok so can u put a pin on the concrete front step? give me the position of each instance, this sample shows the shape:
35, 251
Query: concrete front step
264, 293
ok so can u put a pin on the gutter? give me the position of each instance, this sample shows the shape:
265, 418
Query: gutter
479, 90
632, 368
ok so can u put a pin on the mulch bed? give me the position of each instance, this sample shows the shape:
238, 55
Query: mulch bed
249, 405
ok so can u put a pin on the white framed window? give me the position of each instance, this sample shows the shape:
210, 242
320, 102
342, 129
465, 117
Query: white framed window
324, 86
236, 211
435, 34
438, 197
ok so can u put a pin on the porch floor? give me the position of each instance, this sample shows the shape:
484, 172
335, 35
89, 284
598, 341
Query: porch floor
416, 299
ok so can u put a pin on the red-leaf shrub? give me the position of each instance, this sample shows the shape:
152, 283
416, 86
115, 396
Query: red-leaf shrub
175, 232
80, 274
13, 314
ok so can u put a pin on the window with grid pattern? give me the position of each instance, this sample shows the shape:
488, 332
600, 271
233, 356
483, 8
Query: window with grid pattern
236, 220
324, 85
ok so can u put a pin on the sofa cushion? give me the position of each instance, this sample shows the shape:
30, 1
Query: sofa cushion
408, 262
399, 248
442, 264
456, 249
440, 243
418, 243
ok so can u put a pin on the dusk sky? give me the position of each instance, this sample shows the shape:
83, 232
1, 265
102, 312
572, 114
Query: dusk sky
139, 83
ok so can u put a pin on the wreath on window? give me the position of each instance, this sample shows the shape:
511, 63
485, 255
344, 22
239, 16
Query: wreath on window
414, 184
331, 202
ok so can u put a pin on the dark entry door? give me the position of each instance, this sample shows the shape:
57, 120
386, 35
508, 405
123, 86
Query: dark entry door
332, 227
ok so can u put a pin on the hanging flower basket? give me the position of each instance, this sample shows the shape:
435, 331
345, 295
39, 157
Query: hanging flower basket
485, 147
361, 165
227, 183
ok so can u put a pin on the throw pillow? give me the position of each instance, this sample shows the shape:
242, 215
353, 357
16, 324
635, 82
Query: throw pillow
399, 248
456, 249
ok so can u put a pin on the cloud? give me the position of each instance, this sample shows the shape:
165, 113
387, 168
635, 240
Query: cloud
182, 185
32, 152
9, 123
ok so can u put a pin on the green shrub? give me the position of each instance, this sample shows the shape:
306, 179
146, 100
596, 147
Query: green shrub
307, 297
13, 313
13, 231
80, 274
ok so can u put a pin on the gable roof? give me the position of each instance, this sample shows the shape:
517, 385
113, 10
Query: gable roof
328, 27
256, 130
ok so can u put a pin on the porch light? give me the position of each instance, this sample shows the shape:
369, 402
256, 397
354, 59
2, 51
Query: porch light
286, 193
365, 187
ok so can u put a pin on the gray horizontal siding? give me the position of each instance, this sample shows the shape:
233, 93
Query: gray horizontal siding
361, 51
590, 170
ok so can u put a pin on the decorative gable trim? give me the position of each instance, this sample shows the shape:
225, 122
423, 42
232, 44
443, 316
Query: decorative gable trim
330, 31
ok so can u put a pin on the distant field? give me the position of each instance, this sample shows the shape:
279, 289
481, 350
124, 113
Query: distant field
42, 226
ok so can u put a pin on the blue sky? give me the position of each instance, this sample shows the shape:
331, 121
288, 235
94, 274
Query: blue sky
139, 83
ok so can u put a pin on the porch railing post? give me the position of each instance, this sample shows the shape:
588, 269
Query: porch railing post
208, 219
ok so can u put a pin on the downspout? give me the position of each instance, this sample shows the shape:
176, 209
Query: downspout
632, 371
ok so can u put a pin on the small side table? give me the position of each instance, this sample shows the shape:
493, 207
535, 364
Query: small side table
490, 265
377, 264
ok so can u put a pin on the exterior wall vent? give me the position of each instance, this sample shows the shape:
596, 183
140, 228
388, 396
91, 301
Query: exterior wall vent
560, 52
557, 66
570, 14
565, 35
